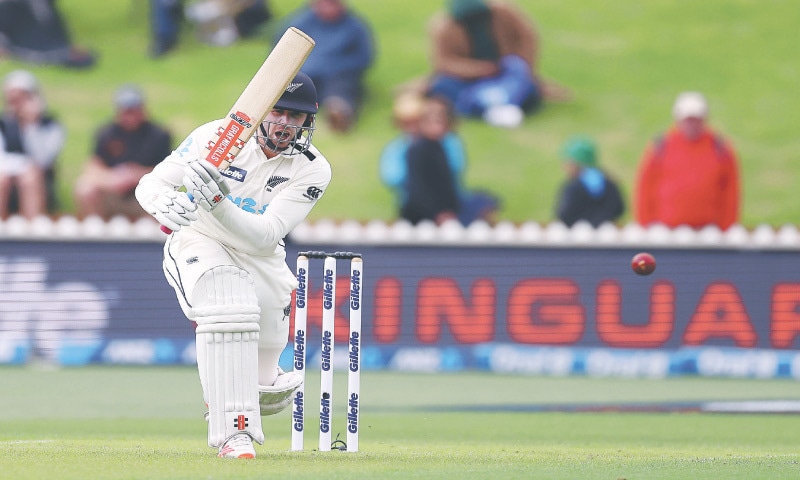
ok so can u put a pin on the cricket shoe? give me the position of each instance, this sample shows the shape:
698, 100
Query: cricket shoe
238, 446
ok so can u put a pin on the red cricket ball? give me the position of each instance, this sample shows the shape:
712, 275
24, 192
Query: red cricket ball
643, 263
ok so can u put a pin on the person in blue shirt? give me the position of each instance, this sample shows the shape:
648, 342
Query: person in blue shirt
343, 53
588, 193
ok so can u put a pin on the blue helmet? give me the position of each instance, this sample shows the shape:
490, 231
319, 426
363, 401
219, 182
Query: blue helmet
300, 95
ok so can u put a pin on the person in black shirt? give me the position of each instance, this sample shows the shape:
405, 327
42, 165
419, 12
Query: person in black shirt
125, 149
431, 191
588, 193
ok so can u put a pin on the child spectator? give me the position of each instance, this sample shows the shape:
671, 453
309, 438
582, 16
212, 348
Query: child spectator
588, 193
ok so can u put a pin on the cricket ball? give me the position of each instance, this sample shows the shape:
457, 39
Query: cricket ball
643, 263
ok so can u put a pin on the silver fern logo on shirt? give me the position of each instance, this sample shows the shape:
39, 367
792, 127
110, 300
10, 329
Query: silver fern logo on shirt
234, 173
274, 181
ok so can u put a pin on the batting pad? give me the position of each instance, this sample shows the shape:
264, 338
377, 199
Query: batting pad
231, 366
227, 314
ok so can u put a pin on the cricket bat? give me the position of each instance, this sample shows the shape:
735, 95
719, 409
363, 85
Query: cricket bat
257, 99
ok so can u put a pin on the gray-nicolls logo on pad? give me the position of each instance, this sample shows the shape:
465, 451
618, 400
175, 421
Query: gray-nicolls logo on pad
294, 86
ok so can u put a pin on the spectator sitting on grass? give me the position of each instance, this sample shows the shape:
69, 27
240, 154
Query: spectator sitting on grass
485, 56
217, 22
34, 31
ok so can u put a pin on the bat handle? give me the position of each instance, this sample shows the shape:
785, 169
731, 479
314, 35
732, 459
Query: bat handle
167, 230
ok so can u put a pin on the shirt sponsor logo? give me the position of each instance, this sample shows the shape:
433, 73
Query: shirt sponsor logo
184, 148
249, 205
313, 193
234, 173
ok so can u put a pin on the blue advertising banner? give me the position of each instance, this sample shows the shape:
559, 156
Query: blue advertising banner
552, 311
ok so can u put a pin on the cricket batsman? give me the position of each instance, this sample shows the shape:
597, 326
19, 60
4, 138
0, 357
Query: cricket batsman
227, 263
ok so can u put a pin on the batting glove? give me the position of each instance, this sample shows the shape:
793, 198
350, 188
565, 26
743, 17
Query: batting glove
172, 209
204, 182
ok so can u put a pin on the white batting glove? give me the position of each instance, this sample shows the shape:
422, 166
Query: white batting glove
204, 182
172, 209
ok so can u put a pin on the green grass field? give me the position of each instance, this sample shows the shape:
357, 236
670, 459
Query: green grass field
625, 61
145, 423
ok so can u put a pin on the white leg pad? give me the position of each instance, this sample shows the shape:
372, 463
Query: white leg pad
227, 314
280, 394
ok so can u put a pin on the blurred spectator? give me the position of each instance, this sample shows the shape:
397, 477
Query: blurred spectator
406, 113
125, 149
408, 110
337, 65
30, 142
426, 167
34, 31
690, 175
218, 22
485, 57
588, 193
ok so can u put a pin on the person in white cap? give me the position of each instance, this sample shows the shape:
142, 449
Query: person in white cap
30, 142
690, 174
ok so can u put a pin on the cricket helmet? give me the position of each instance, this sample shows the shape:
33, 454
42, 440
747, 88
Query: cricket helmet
300, 95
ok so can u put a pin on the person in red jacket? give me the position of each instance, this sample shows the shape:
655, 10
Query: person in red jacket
690, 175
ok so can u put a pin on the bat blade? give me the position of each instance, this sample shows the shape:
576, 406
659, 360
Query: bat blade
258, 98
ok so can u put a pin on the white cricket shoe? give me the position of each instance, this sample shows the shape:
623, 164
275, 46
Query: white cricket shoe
238, 446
